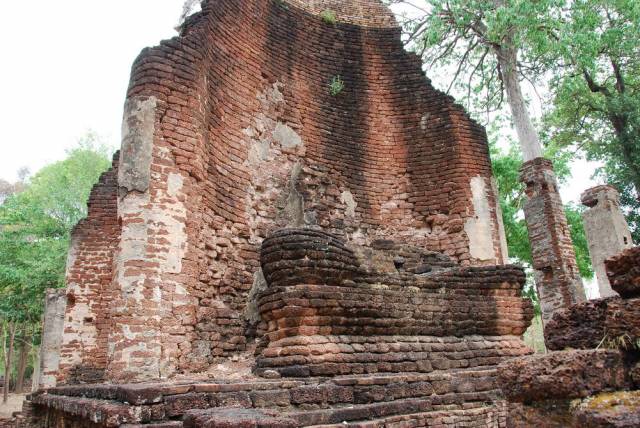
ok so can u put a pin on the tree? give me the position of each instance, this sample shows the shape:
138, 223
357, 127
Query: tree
35, 227
493, 45
506, 165
596, 91
7, 189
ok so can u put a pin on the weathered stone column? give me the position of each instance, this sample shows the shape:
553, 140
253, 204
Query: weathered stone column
607, 231
52, 330
554, 261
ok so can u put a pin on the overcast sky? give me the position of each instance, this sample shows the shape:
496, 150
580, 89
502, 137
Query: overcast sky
65, 71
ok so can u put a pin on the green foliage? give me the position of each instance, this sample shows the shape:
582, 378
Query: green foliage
329, 16
35, 226
336, 86
465, 38
584, 52
596, 92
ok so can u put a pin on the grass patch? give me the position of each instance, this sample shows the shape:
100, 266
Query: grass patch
329, 16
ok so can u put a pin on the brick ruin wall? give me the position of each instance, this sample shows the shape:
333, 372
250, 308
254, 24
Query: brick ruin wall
83, 355
230, 133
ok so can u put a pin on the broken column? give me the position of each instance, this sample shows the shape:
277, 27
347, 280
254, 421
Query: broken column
607, 231
49, 360
554, 261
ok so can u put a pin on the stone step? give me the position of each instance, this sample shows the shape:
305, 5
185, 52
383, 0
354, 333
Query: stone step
312, 401
474, 417
370, 415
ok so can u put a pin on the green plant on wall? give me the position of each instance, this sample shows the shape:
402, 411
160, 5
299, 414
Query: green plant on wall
329, 16
336, 86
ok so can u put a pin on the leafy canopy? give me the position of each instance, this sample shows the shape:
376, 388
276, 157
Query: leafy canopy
596, 92
35, 225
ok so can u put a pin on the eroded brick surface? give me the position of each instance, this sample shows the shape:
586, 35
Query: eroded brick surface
605, 323
624, 272
556, 272
87, 321
564, 375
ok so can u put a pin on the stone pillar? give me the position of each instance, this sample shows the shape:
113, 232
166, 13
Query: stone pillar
554, 261
607, 231
52, 329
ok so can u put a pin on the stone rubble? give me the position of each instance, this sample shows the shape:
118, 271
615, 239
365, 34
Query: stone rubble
591, 376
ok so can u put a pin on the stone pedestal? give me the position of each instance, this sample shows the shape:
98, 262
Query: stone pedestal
554, 261
607, 231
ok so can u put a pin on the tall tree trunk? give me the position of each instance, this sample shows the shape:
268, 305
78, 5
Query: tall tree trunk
25, 348
8, 361
527, 135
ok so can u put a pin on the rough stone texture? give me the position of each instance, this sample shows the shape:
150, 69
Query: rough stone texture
365, 13
635, 375
333, 257
622, 325
554, 262
618, 409
445, 398
563, 375
624, 272
327, 316
228, 138
83, 352
236, 418
606, 229
53, 321
547, 414
608, 323
581, 388
581, 326
614, 410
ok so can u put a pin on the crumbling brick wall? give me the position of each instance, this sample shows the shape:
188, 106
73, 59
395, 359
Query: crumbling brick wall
83, 354
230, 132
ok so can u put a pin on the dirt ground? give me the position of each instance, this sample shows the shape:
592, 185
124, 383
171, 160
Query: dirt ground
13, 405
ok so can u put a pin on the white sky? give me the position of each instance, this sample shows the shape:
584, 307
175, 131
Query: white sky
65, 70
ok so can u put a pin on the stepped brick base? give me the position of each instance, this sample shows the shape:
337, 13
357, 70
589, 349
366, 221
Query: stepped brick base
342, 344
449, 397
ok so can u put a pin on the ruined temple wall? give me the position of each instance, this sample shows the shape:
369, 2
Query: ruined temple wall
87, 320
230, 132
